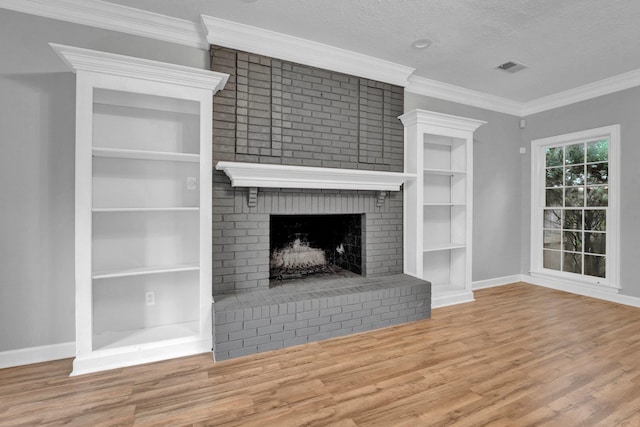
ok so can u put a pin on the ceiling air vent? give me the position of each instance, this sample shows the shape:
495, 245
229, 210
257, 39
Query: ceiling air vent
511, 67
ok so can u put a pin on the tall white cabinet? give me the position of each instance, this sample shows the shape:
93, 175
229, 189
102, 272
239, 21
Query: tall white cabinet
143, 209
438, 204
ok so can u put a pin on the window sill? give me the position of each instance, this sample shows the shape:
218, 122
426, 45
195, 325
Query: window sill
561, 282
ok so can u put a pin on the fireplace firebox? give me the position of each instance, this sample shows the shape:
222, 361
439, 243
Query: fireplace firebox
311, 246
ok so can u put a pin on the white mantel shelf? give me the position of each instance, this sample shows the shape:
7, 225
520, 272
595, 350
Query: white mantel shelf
282, 176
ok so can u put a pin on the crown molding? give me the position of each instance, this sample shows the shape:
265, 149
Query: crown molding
283, 46
432, 118
78, 59
460, 95
582, 93
123, 19
114, 17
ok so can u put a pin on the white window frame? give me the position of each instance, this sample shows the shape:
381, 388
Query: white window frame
538, 163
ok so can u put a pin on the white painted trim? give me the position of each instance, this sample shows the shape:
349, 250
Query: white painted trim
115, 17
43, 353
433, 118
605, 294
498, 281
582, 93
285, 176
243, 37
451, 299
435, 89
461, 95
126, 66
611, 132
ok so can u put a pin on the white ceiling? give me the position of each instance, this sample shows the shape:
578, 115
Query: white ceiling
565, 43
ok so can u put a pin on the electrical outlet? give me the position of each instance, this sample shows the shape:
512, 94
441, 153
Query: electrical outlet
150, 298
192, 183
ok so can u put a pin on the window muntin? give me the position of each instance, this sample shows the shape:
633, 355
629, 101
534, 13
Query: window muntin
574, 226
574, 234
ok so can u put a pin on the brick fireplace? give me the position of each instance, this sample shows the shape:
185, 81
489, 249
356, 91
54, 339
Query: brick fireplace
275, 114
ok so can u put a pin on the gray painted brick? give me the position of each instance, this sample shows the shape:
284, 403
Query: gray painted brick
299, 324
245, 333
361, 313
273, 345
351, 323
260, 339
268, 330
229, 327
232, 345
305, 315
307, 331
283, 319
330, 327
340, 317
283, 336
256, 323
244, 351
389, 315
319, 321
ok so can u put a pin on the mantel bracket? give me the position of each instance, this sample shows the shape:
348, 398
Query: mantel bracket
252, 200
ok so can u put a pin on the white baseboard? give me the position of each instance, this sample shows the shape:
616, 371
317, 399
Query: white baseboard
498, 281
448, 299
44, 353
582, 290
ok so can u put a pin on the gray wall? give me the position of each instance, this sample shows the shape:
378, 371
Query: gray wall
37, 126
623, 108
497, 226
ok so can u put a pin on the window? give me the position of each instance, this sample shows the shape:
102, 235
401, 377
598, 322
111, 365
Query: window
574, 217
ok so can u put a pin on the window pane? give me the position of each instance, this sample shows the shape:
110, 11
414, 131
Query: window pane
554, 177
574, 154
572, 241
595, 265
595, 243
552, 239
552, 218
554, 156
598, 151
572, 219
574, 176
572, 263
597, 196
554, 197
574, 197
598, 173
595, 220
551, 259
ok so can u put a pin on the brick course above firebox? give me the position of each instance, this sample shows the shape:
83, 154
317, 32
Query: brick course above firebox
274, 111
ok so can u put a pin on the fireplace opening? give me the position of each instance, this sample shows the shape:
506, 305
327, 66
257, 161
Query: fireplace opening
312, 246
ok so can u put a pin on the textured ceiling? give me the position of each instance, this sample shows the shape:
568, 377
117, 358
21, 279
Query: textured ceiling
565, 43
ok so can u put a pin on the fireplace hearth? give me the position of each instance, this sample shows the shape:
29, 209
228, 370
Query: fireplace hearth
304, 247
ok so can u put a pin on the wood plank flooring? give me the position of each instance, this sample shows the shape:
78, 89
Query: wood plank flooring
521, 355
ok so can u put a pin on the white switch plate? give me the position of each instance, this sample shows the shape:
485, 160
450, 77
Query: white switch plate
150, 298
523, 150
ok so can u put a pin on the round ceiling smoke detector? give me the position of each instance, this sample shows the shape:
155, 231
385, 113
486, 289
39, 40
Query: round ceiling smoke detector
421, 44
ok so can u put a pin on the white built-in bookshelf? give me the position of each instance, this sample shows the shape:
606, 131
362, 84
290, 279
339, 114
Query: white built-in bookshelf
143, 209
438, 204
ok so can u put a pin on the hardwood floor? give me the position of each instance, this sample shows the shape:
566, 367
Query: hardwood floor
520, 355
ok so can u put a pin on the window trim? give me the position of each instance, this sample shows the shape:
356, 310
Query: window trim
538, 163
